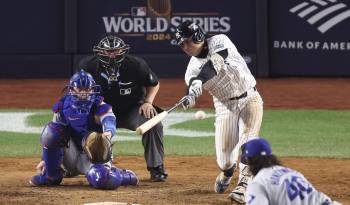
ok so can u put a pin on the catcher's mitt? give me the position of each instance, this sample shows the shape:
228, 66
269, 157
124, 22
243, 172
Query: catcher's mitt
97, 148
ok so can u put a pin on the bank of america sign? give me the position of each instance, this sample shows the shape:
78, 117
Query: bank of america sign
323, 13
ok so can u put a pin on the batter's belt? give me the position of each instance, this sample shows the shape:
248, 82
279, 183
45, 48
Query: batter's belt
245, 94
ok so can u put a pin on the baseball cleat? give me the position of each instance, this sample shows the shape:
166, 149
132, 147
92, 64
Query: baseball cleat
221, 183
238, 193
158, 177
158, 174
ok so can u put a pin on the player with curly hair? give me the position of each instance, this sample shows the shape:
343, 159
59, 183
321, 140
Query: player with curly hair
275, 184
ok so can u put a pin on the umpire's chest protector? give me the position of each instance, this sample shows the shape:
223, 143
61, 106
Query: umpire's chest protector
128, 89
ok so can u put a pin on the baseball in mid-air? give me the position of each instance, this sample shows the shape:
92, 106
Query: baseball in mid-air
200, 115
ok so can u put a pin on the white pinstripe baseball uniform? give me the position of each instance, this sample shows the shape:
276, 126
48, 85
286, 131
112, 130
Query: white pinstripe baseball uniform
236, 119
280, 185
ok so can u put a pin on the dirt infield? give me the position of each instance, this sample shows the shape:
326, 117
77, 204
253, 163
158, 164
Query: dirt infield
190, 178
191, 181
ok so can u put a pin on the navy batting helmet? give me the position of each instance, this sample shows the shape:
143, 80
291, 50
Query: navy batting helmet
189, 29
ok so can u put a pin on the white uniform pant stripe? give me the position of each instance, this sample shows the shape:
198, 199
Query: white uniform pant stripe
252, 118
226, 125
234, 125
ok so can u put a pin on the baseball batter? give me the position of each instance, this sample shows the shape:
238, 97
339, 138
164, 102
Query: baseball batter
217, 66
274, 184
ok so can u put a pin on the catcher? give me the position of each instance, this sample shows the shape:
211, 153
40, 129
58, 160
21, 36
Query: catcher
78, 139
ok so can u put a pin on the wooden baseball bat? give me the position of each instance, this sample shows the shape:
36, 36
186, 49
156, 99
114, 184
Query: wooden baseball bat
156, 119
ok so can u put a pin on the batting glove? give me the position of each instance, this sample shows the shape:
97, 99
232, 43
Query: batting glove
189, 102
195, 88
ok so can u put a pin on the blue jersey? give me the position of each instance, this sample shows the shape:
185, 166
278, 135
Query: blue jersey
78, 123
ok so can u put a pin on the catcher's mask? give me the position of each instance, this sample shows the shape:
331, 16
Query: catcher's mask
111, 51
83, 89
187, 30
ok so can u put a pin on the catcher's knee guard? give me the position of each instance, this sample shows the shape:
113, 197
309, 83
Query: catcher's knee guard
54, 135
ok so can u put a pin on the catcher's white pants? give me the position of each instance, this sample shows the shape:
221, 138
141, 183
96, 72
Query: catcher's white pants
235, 122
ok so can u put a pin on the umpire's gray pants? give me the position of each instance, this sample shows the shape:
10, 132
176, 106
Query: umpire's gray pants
152, 140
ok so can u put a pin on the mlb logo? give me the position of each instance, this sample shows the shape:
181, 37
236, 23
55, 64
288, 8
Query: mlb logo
125, 91
138, 11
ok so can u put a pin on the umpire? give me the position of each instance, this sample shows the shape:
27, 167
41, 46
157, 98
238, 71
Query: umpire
130, 86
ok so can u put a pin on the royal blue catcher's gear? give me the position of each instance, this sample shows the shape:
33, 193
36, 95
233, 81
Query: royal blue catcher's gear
101, 176
54, 135
53, 139
83, 89
45, 180
78, 123
187, 29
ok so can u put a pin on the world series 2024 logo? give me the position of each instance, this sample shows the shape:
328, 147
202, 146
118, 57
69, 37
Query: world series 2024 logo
324, 13
157, 21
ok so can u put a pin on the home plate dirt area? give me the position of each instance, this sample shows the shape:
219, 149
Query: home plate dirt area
191, 179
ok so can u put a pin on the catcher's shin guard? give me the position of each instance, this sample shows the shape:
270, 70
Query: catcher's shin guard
53, 139
128, 177
102, 176
44, 180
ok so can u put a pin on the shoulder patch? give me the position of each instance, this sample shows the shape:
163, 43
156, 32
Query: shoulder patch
219, 46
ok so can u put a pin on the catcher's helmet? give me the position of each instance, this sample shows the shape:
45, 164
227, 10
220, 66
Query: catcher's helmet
111, 51
83, 89
187, 29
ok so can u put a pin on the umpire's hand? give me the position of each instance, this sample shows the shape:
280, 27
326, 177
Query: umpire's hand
147, 110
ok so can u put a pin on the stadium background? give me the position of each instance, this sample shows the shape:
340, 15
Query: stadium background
298, 66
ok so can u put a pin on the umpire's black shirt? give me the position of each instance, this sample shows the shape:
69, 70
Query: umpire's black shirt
129, 88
